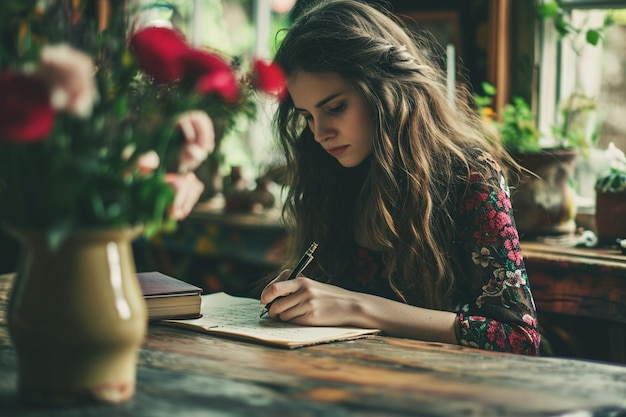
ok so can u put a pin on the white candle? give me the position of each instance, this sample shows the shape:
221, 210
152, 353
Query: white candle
451, 71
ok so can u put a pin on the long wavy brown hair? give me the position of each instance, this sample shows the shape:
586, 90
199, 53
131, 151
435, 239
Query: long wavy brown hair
407, 192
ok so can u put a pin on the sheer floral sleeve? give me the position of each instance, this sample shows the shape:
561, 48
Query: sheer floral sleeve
502, 315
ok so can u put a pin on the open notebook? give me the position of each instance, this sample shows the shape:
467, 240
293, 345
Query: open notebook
238, 317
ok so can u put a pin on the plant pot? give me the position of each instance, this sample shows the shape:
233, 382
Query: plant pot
77, 318
546, 204
610, 217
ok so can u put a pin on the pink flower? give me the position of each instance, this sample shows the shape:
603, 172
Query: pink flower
528, 319
160, 52
496, 334
70, 75
515, 256
269, 78
504, 201
188, 189
510, 232
25, 111
197, 128
501, 220
148, 162
518, 341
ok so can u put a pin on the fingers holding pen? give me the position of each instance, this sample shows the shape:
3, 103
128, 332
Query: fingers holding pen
303, 262
305, 301
299, 301
281, 277
279, 287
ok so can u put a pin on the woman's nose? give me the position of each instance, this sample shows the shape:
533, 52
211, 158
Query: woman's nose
322, 132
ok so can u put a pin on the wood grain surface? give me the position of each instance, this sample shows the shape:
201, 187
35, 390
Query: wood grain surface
185, 373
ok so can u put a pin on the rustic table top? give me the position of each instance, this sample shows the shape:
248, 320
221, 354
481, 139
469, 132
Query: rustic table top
610, 259
191, 374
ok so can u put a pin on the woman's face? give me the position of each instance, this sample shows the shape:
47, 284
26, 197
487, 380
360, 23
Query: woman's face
336, 113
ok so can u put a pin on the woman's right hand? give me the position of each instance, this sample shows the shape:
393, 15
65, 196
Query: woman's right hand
308, 302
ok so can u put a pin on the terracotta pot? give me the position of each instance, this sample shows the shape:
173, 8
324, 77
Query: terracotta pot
77, 318
546, 204
610, 217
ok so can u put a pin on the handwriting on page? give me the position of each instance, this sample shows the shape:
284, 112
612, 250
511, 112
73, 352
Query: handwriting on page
222, 313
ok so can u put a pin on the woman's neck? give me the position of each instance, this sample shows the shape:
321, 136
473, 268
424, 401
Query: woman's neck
355, 179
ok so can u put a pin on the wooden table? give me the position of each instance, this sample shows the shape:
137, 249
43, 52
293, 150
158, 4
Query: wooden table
192, 374
581, 282
588, 283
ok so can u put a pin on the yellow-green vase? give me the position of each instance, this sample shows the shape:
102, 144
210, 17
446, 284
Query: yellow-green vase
77, 318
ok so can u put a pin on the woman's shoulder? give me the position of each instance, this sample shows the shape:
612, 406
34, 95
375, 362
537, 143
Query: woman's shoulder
483, 164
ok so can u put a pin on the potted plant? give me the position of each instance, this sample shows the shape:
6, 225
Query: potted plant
544, 199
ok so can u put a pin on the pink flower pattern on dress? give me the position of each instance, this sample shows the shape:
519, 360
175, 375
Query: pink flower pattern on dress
507, 287
502, 316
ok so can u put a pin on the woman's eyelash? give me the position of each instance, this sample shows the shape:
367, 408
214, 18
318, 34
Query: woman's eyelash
339, 108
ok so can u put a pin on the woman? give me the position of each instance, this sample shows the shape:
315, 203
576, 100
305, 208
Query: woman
403, 190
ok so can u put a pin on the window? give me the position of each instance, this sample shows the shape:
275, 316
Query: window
594, 75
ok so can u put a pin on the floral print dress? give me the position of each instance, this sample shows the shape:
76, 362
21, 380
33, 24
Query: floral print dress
501, 316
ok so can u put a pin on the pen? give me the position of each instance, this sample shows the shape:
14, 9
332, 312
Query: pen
304, 261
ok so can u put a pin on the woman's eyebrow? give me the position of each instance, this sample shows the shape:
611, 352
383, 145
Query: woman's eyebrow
321, 102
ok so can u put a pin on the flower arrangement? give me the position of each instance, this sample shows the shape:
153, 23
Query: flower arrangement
102, 123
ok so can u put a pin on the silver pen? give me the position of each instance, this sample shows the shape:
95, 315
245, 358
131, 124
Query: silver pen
304, 261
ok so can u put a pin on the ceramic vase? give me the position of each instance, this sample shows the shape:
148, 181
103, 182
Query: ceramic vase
77, 318
545, 203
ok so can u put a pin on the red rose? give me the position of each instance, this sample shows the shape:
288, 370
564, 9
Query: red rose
222, 83
26, 114
269, 78
199, 63
160, 53
213, 74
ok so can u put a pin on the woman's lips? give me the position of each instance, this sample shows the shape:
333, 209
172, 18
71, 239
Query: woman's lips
338, 151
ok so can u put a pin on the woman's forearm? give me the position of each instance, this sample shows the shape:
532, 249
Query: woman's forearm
403, 320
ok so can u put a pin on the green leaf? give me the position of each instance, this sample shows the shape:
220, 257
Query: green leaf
563, 27
489, 89
593, 36
549, 9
